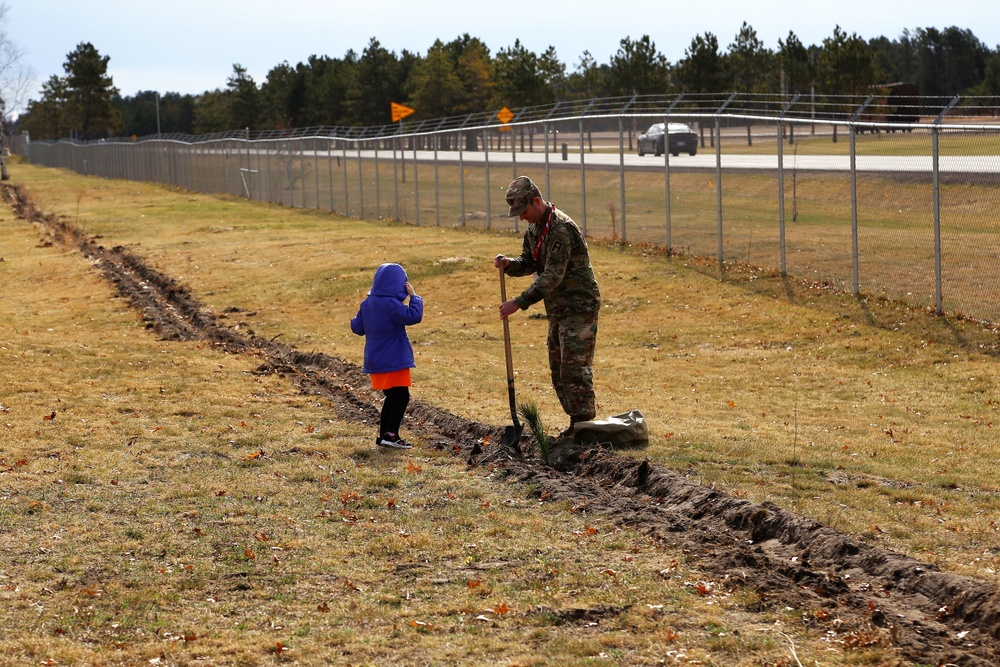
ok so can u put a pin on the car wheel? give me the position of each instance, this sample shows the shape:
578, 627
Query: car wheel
692, 152
641, 152
675, 153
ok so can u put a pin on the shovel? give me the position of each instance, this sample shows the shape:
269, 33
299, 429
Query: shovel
511, 434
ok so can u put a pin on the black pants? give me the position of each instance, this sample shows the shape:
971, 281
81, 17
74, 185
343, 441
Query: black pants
393, 409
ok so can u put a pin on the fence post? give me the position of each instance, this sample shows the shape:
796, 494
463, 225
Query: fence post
273, 179
666, 168
718, 180
300, 147
288, 174
781, 180
548, 185
378, 177
461, 177
717, 136
486, 161
329, 169
416, 186
935, 154
437, 183
395, 175
855, 274
621, 161
361, 184
621, 171
347, 201
513, 153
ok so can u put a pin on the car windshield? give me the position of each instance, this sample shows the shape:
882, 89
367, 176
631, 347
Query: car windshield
656, 128
677, 127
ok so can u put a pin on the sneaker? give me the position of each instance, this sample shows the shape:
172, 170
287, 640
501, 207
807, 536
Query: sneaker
393, 441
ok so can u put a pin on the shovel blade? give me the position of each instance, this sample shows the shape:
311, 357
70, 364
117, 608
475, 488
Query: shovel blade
512, 437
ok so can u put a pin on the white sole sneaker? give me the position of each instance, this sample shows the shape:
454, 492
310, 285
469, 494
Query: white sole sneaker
393, 444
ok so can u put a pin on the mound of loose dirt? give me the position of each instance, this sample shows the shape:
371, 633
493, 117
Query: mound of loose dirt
867, 596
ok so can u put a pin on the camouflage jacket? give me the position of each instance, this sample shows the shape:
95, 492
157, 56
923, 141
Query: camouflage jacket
564, 276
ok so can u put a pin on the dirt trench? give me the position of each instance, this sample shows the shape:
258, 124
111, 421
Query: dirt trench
862, 595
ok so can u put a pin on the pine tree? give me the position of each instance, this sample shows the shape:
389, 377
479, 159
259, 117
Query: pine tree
90, 94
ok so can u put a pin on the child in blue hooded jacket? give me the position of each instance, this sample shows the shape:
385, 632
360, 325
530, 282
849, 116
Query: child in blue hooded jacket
382, 319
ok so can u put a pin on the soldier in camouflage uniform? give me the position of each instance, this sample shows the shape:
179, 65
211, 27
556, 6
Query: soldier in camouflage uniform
555, 251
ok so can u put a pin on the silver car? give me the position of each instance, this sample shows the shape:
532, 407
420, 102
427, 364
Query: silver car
682, 139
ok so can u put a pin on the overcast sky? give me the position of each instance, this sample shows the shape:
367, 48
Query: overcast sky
190, 46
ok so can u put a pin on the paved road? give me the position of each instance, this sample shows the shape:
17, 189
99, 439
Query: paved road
988, 164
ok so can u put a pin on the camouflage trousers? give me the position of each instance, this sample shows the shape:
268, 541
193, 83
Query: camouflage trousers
571, 341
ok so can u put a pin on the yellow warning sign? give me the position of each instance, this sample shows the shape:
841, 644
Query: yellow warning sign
505, 115
400, 111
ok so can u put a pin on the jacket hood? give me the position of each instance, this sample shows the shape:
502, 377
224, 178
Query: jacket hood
390, 280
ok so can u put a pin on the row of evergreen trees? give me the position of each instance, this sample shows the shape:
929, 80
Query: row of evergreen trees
462, 76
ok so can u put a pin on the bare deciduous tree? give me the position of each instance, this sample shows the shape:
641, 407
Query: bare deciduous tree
15, 76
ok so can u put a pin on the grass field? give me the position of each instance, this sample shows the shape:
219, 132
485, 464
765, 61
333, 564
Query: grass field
164, 503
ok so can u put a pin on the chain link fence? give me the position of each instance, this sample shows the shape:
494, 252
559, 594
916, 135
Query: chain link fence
894, 197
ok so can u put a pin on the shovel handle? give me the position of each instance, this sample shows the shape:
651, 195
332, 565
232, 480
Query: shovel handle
506, 347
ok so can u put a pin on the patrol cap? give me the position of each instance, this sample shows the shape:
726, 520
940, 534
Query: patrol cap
520, 193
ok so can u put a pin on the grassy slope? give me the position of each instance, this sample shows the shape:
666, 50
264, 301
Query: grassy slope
143, 520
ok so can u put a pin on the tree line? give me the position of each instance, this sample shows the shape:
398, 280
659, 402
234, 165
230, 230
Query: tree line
462, 76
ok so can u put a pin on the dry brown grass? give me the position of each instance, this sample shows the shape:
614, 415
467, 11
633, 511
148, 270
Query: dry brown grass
181, 508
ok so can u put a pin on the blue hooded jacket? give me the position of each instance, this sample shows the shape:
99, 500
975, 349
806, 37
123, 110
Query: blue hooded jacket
382, 319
